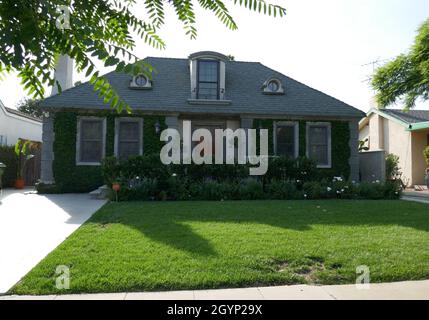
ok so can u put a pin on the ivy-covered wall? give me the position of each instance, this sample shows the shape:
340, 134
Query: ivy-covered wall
340, 135
71, 178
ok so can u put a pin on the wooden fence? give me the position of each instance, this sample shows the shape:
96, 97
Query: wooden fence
32, 169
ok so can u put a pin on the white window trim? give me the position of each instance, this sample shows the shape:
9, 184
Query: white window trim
194, 77
103, 141
307, 140
295, 125
128, 119
280, 89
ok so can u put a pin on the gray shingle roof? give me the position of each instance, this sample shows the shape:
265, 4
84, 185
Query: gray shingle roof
171, 91
22, 114
412, 116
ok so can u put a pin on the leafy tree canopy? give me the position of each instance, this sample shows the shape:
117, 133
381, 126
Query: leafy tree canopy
407, 76
31, 107
33, 33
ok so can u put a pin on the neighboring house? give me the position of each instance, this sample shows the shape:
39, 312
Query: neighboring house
212, 91
15, 125
404, 134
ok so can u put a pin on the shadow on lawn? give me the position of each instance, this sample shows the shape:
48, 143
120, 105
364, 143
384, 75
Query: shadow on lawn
166, 222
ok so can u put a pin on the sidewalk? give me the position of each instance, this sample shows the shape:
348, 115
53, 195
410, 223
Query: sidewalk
408, 290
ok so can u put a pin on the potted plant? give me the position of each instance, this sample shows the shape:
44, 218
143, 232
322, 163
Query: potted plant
22, 151
116, 186
426, 154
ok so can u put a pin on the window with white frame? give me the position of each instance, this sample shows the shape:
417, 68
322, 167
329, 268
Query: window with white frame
208, 79
286, 139
128, 137
319, 143
91, 140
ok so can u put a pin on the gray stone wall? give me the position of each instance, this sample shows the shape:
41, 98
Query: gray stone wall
48, 137
354, 150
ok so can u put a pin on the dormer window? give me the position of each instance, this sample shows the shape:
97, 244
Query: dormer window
207, 71
140, 82
273, 86
208, 79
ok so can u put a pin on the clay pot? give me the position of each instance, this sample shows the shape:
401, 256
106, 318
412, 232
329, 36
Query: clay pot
19, 184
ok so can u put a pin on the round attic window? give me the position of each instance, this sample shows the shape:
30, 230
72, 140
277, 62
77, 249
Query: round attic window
273, 86
141, 80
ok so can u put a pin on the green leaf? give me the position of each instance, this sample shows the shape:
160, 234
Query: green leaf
111, 61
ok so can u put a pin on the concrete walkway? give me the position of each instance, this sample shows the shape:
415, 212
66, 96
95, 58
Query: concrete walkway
32, 225
409, 290
416, 196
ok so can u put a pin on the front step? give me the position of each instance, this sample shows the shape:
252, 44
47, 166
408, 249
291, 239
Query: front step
100, 193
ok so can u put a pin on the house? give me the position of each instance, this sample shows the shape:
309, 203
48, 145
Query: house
15, 125
405, 134
212, 91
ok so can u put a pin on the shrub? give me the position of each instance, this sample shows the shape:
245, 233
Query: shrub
138, 189
282, 190
341, 188
393, 172
426, 155
251, 189
213, 190
392, 190
314, 190
371, 190
43, 188
178, 188
284, 168
110, 170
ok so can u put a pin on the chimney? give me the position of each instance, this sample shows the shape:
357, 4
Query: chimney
373, 103
63, 74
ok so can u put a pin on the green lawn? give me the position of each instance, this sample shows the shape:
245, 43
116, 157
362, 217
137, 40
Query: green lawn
136, 246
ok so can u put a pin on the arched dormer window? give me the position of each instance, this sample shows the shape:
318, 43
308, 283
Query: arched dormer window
140, 81
207, 75
273, 86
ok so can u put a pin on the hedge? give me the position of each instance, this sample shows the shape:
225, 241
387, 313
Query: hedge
146, 178
8, 157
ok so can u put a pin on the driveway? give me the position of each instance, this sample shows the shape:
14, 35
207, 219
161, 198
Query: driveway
32, 225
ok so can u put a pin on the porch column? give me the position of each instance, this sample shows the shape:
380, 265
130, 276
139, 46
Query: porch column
246, 124
354, 150
172, 122
47, 156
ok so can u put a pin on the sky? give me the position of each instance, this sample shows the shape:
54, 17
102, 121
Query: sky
329, 45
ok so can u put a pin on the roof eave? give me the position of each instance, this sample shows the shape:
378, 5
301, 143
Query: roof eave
388, 116
418, 126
